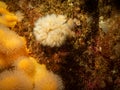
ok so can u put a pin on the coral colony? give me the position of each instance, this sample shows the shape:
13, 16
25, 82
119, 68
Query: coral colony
26, 72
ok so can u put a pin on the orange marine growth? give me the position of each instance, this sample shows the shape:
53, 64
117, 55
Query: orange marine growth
12, 47
7, 18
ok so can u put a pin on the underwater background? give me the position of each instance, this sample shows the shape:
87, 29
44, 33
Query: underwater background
86, 58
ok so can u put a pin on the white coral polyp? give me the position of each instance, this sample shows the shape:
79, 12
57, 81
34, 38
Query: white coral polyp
52, 30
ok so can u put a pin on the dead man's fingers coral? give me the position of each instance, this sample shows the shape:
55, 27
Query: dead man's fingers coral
7, 18
15, 80
47, 80
27, 65
3, 4
38, 74
12, 46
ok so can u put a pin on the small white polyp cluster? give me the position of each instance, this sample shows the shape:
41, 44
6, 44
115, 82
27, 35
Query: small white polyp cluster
52, 30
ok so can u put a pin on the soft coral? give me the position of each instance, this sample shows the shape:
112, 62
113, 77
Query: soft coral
7, 18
